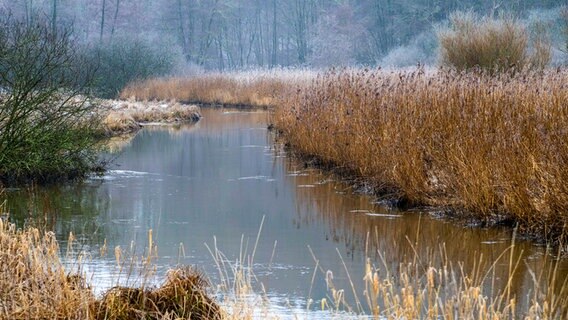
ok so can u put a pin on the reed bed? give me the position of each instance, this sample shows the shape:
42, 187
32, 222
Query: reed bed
254, 88
418, 290
490, 147
421, 286
35, 284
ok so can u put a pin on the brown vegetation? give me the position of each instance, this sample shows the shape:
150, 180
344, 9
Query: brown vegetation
495, 147
182, 296
421, 290
256, 89
121, 117
494, 45
34, 284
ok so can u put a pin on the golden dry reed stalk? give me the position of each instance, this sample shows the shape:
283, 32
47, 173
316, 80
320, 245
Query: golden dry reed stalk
495, 147
416, 291
33, 281
35, 284
254, 88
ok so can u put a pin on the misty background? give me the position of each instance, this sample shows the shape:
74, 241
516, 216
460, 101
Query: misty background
195, 35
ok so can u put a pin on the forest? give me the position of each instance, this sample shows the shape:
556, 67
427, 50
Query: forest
235, 34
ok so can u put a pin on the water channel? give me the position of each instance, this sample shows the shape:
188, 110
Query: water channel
217, 181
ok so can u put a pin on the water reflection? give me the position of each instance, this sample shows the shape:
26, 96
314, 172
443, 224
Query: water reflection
219, 179
364, 228
63, 209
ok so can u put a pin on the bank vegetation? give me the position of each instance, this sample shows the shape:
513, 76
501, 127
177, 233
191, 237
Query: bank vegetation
36, 284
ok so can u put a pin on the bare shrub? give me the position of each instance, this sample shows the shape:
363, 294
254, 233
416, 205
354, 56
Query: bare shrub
493, 45
45, 132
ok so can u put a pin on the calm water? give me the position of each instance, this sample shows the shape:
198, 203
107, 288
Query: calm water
215, 182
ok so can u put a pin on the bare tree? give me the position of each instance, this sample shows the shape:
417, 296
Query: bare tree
274, 55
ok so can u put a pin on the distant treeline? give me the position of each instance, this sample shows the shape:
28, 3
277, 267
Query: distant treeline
231, 34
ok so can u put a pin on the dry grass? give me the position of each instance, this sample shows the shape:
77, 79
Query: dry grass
423, 286
496, 147
255, 88
494, 45
181, 296
34, 284
418, 290
120, 117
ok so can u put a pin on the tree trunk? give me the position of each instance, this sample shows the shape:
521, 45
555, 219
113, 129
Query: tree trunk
115, 18
54, 17
102, 21
273, 61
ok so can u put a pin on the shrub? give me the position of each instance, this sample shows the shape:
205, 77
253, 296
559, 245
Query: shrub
125, 60
494, 45
36, 284
182, 296
46, 131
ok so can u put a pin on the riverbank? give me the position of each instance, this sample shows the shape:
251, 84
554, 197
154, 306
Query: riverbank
259, 89
486, 148
59, 139
121, 117
489, 148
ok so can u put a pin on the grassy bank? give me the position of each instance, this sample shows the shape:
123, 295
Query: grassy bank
121, 117
494, 148
489, 147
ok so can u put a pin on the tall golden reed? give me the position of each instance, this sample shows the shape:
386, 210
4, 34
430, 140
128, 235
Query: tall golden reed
35, 284
245, 89
493, 147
